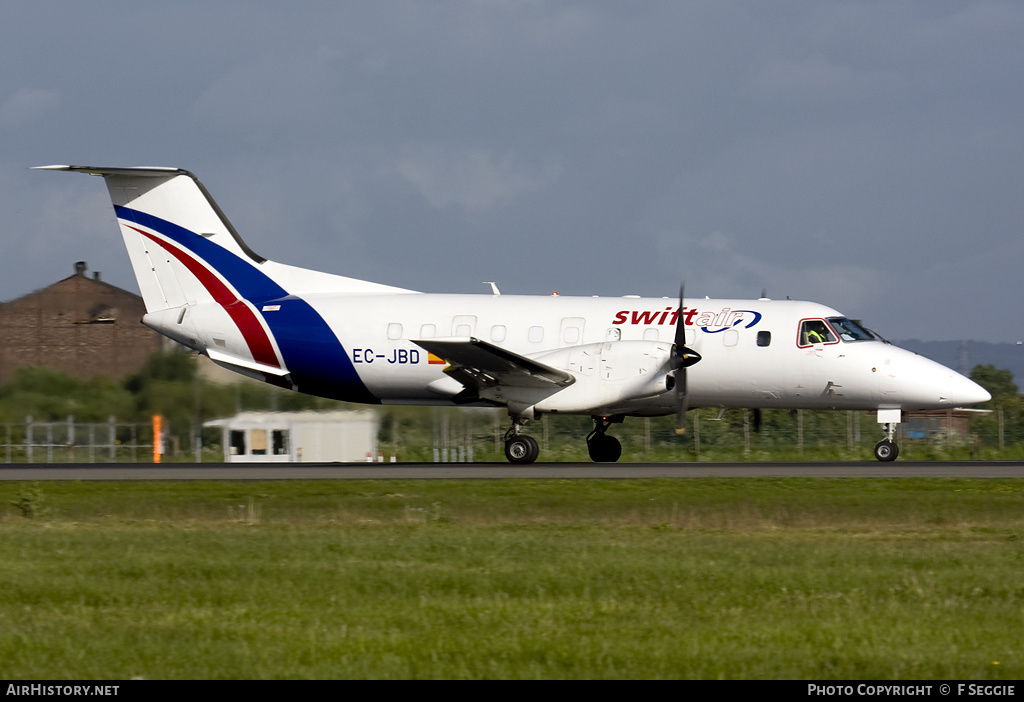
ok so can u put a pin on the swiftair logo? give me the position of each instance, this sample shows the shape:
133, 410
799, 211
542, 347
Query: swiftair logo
711, 322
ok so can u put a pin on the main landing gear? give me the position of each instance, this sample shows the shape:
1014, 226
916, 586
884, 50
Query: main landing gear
522, 449
604, 448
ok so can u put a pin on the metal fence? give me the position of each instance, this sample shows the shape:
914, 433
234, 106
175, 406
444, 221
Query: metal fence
477, 435
468, 435
69, 441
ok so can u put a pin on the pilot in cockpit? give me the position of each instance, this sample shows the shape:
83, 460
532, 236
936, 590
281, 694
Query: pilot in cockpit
815, 332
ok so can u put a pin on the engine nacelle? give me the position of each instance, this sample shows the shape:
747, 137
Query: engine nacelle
608, 375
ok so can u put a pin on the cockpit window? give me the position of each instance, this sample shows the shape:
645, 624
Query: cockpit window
815, 331
849, 330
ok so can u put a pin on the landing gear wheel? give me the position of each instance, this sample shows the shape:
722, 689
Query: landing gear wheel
604, 449
886, 450
521, 449
601, 447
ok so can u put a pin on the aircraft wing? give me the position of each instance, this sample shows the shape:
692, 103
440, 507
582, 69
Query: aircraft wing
475, 362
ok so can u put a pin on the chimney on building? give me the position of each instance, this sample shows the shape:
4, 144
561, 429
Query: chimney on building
80, 267
95, 275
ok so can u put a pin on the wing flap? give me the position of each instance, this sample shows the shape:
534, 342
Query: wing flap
472, 361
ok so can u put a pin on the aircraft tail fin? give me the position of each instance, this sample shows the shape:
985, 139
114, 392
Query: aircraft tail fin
184, 250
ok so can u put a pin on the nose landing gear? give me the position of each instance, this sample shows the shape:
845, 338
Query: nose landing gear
886, 450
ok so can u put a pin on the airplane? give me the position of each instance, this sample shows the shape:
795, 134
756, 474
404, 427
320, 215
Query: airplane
603, 357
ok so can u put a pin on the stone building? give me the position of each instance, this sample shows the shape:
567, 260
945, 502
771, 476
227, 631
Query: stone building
79, 325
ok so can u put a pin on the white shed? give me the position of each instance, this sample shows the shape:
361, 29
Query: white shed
298, 437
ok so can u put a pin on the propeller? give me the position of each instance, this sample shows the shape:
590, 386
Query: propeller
682, 358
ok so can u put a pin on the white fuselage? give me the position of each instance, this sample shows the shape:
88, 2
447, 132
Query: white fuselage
752, 355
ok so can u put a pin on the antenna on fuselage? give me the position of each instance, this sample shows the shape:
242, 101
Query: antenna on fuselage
494, 287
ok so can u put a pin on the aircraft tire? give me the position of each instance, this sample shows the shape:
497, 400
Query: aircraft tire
604, 449
886, 451
521, 449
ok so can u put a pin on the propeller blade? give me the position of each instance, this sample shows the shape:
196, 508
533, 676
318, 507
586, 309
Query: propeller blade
682, 358
680, 337
682, 405
682, 355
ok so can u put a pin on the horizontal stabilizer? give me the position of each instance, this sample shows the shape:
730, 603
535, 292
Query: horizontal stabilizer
240, 364
154, 171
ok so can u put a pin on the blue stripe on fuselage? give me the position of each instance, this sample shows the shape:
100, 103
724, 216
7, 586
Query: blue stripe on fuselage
315, 358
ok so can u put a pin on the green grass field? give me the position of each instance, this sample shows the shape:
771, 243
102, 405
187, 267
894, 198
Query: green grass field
696, 578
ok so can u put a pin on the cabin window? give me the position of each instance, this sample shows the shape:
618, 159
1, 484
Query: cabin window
394, 331
815, 331
571, 330
428, 331
536, 335
730, 337
463, 325
764, 338
651, 334
498, 332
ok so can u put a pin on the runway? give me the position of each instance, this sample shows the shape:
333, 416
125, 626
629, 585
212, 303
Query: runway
496, 471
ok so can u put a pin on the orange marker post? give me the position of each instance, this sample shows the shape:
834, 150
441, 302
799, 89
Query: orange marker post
158, 422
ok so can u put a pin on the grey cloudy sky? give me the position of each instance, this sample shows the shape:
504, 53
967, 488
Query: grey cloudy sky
868, 155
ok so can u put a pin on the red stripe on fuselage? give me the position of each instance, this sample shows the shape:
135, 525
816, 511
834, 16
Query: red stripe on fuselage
255, 335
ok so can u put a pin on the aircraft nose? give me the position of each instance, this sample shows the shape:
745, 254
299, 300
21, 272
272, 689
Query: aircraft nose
918, 382
964, 391
953, 389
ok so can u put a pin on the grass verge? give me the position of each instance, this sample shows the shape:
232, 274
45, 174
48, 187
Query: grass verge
697, 578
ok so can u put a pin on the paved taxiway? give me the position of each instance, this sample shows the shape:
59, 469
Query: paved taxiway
491, 471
